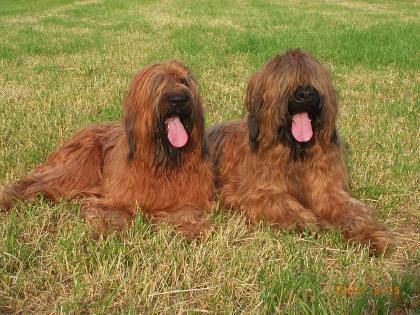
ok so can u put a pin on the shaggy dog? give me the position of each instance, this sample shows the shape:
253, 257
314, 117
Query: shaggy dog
155, 159
284, 163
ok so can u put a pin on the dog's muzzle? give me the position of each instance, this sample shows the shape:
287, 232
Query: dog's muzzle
178, 100
303, 106
304, 99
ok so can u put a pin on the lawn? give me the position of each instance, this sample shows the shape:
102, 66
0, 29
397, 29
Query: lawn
66, 64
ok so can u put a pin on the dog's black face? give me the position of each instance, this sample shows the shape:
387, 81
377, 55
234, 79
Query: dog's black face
303, 118
174, 124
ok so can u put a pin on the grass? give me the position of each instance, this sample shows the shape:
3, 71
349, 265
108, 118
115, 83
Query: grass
66, 64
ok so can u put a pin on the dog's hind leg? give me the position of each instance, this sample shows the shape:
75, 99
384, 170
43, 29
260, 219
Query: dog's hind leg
74, 169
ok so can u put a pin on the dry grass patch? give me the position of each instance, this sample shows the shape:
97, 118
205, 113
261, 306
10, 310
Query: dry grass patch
67, 64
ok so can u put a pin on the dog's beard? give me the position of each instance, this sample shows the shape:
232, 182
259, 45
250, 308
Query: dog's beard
303, 115
173, 134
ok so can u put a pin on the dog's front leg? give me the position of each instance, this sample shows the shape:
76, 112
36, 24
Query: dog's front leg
353, 218
279, 209
106, 215
188, 220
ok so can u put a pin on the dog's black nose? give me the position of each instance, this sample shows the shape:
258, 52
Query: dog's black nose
178, 99
305, 94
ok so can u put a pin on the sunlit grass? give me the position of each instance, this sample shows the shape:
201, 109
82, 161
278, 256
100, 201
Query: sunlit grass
66, 64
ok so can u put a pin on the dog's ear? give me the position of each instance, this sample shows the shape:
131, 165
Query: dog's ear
136, 117
329, 99
202, 133
335, 139
253, 101
253, 131
130, 107
129, 131
204, 143
204, 146
198, 113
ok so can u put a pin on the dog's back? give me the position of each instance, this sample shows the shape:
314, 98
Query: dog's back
74, 169
227, 148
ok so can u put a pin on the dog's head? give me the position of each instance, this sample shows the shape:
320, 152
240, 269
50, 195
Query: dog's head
163, 113
291, 100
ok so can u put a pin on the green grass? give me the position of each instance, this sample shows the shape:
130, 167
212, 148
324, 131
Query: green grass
66, 64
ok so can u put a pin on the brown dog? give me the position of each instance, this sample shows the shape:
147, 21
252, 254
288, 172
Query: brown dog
155, 159
284, 164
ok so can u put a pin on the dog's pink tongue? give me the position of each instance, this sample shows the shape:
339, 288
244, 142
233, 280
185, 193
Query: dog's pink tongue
177, 135
301, 127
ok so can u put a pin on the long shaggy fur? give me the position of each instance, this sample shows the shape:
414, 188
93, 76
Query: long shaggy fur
120, 167
263, 171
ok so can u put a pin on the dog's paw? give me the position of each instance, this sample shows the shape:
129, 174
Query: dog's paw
381, 242
5, 199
